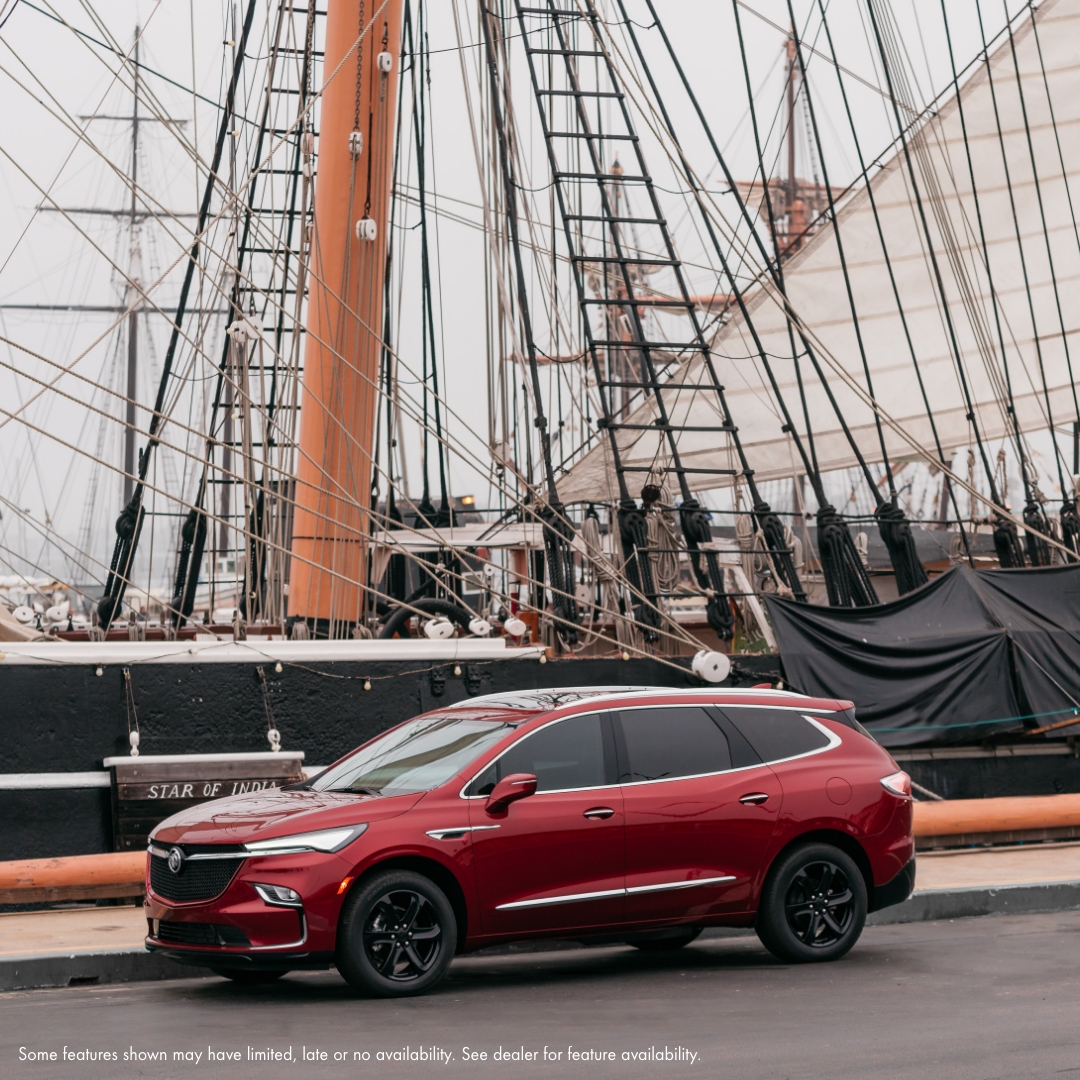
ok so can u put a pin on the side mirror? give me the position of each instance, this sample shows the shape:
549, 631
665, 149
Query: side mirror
509, 789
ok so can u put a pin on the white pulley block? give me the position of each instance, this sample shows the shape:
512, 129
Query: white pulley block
366, 229
58, 613
356, 143
479, 627
515, 627
713, 667
384, 62
23, 614
274, 736
133, 738
440, 628
244, 330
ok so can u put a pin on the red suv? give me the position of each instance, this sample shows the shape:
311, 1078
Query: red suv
624, 813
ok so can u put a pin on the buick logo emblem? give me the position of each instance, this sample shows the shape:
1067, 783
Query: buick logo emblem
176, 860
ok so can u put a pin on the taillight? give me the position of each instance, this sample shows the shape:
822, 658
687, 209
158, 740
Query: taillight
898, 783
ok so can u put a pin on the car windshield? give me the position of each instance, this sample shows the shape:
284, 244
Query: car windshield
417, 756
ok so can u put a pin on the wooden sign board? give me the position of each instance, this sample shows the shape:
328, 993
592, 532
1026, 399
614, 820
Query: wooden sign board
148, 789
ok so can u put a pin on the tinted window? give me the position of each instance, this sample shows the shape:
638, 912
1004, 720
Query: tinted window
665, 743
776, 734
564, 755
847, 716
416, 756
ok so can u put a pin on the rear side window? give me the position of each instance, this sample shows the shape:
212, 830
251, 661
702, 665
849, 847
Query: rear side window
563, 756
847, 716
777, 734
661, 744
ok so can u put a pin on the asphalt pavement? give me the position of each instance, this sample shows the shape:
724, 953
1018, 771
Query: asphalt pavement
973, 998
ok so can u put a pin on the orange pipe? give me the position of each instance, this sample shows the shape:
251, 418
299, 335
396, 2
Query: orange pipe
955, 816
120, 868
345, 313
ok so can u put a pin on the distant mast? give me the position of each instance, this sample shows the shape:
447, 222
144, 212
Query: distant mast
344, 315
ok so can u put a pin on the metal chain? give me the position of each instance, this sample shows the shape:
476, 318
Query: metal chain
359, 68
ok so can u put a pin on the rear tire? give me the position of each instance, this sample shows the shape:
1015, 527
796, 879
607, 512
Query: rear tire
665, 941
813, 905
249, 976
397, 935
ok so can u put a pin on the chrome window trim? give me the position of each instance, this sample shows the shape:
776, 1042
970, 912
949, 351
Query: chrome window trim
834, 741
518, 742
633, 890
696, 776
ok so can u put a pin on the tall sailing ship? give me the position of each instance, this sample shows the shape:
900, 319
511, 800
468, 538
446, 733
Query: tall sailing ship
542, 332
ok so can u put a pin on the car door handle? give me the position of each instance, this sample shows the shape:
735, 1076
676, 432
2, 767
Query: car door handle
599, 812
755, 798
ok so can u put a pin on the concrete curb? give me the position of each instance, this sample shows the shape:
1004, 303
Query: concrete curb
89, 969
926, 905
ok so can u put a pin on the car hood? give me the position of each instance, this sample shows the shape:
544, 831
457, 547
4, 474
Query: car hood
264, 815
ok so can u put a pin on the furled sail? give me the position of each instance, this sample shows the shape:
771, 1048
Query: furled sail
947, 287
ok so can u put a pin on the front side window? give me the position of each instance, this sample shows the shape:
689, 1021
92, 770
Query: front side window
777, 734
565, 755
665, 743
417, 756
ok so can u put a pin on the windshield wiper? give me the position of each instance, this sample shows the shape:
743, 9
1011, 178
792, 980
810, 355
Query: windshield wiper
363, 791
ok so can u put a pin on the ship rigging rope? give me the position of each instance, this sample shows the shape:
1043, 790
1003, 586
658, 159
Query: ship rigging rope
1046, 240
721, 217
504, 599
10, 416
1033, 511
893, 284
216, 520
766, 521
1006, 539
1000, 511
718, 214
1060, 156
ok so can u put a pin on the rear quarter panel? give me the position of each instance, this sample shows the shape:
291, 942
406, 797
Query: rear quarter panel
840, 790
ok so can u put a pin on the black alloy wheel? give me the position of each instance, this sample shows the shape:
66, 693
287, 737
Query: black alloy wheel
813, 905
397, 935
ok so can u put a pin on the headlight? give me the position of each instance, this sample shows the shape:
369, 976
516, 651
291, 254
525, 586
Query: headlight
324, 840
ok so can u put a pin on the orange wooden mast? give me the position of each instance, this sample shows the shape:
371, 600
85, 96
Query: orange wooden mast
345, 313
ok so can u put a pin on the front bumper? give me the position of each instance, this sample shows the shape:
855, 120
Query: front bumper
233, 959
895, 891
239, 929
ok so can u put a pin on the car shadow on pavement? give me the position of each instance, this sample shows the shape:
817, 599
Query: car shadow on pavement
479, 971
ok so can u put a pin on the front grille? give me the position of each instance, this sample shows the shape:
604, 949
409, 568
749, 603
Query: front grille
191, 933
201, 879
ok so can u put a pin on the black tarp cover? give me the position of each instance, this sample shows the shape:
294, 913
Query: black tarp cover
971, 654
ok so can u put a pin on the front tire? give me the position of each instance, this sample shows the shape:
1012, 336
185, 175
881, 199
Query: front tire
396, 936
813, 905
